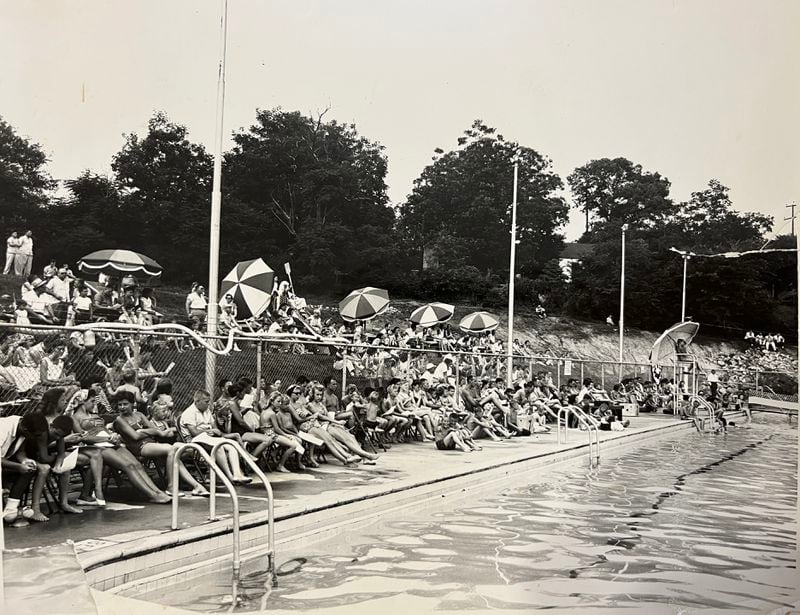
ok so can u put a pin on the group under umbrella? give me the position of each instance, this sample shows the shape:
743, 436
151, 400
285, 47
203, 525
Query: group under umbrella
432, 314
478, 322
363, 304
250, 285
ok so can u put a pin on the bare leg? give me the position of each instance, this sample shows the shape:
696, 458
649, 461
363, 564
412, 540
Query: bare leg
332, 445
121, 459
38, 490
63, 490
350, 442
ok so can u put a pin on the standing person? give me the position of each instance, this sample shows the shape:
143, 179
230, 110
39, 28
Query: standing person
23, 262
196, 306
12, 251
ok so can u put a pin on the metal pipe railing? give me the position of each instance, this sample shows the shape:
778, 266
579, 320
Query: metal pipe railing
209, 459
705, 405
270, 500
594, 454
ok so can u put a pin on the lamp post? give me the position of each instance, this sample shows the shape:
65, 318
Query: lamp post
511, 267
216, 204
622, 301
685, 256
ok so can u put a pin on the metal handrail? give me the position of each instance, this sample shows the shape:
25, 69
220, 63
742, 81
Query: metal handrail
209, 459
594, 454
712, 418
270, 500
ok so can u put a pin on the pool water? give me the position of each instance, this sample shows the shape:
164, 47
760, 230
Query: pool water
690, 523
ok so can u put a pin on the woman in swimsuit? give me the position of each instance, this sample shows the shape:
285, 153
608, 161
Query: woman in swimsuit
308, 420
335, 428
141, 438
93, 430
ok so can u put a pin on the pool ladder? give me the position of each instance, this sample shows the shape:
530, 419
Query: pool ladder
214, 469
591, 426
702, 404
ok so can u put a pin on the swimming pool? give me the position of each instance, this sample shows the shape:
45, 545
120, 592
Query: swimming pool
689, 523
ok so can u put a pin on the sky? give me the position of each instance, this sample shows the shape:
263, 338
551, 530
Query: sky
692, 89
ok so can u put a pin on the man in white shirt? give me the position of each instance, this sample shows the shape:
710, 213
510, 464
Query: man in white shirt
12, 250
24, 259
427, 375
196, 424
443, 371
228, 302
59, 285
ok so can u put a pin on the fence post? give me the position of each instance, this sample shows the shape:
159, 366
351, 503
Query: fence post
344, 369
558, 372
756, 381
581, 373
458, 376
603, 376
259, 372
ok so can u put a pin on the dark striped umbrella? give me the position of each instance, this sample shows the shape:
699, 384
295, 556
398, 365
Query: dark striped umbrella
478, 322
250, 284
119, 261
364, 303
432, 314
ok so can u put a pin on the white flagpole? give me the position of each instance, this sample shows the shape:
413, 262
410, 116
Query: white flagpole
511, 267
216, 204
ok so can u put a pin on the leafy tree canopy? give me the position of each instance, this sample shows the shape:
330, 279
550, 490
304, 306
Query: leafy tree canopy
24, 181
618, 191
461, 204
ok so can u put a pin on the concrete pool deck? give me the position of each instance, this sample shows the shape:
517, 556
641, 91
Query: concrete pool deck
303, 500
127, 519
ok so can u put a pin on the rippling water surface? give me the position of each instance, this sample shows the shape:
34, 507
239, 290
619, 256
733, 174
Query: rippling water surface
696, 523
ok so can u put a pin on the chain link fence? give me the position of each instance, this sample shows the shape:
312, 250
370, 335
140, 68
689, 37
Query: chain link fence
102, 355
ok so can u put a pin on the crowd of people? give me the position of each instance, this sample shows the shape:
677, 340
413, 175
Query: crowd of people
96, 410
767, 342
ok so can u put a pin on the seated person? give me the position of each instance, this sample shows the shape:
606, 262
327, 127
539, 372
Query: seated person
450, 434
47, 450
196, 424
146, 441
93, 432
17, 474
271, 428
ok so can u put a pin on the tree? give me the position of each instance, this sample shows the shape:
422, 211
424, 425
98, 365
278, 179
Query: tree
92, 213
316, 191
165, 181
460, 205
721, 292
710, 220
620, 191
24, 182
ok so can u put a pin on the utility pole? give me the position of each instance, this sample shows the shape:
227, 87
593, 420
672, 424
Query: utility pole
792, 217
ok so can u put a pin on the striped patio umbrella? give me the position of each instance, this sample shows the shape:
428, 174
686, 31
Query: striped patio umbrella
432, 314
363, 304
250, 283
478, 322
111, 262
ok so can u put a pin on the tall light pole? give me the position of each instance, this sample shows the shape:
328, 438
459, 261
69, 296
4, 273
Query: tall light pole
511, 267
685, 256
622, 301
216, 203
797, 534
